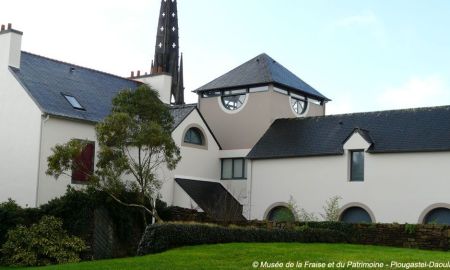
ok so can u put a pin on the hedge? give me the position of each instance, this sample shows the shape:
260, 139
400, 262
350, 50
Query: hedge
76, 209
161, 237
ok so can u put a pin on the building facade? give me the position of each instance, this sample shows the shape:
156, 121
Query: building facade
257, 141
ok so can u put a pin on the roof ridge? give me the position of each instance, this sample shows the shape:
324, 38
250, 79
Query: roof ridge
371, 112
268, 71
78, 66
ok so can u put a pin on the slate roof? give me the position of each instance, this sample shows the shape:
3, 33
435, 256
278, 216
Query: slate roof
213, 198
410, 130
180, 112
258, 71
46, 79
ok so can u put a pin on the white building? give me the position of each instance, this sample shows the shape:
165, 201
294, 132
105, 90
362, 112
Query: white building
257, 137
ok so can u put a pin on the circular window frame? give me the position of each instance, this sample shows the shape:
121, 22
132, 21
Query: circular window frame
305, 110
430, 208
222, 106
360, 205
275, 205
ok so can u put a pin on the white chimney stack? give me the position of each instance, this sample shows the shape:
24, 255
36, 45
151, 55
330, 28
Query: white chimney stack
10, 47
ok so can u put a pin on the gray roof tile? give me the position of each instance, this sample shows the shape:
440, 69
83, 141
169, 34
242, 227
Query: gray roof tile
47, 80
261, 70
180, 112
411, 130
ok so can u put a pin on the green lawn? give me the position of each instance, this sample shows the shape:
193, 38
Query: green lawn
242, 256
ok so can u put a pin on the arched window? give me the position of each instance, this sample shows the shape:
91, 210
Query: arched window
281, 213
439, 215
356, 215
194, 136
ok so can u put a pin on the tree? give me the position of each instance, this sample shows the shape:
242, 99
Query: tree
134, 143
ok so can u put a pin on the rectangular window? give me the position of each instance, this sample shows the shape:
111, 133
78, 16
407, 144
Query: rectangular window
74, 102
233, 168
211, 94
357, 165
279, 90
83, 165
259, 89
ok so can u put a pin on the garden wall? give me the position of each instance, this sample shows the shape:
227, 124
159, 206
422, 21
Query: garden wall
421, 236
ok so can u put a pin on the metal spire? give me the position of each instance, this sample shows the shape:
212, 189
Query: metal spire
167, 48
179, 98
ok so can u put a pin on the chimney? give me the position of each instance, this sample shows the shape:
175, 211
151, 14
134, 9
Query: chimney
10, 47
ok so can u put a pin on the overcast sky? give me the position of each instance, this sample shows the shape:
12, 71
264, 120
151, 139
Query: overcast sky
364, 55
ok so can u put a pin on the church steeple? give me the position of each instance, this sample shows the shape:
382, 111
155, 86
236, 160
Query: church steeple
167, 49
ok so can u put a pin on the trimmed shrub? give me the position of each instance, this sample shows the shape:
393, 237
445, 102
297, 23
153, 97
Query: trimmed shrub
161, 237
43, 243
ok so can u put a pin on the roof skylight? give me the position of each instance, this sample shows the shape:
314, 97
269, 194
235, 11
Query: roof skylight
74, 102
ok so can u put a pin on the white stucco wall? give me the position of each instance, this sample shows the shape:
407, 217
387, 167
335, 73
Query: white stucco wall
237, 187
59, 131
196, 163
20, 121
161, 83
20, 128
397, 187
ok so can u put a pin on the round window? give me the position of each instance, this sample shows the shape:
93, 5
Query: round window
233, 102
299, 105
438, 216
355, 215
281, 213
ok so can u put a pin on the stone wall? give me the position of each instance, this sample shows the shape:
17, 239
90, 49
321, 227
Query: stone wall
436, 237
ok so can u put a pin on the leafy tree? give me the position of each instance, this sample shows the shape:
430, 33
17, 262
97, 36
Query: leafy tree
134, 143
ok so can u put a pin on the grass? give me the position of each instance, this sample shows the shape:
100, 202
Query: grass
241, 256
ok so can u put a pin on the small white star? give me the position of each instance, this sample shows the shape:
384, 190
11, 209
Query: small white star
160, 44
164, 14
174, 45
173, 14
162, 28
173, 29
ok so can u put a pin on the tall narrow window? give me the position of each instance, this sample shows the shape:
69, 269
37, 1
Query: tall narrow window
233, 168
357, 165
83, 165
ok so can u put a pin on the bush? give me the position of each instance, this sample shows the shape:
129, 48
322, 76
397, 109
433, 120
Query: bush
161, 237
41, 244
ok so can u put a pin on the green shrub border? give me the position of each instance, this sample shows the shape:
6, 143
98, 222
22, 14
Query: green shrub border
161, 237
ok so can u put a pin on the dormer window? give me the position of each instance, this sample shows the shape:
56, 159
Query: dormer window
74, 102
